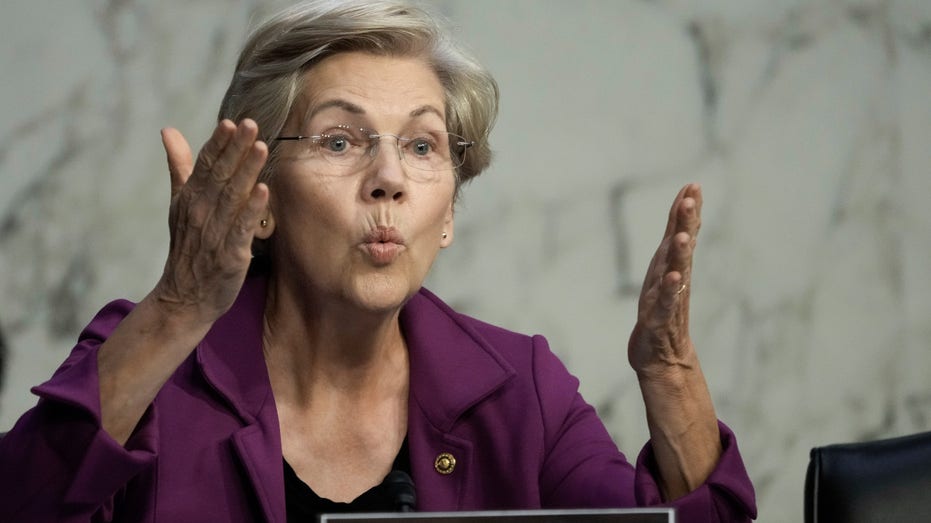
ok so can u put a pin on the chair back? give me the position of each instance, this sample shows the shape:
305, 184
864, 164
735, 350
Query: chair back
872, 481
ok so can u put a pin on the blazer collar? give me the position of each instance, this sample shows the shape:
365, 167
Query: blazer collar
452, 366
231, 357
232, 362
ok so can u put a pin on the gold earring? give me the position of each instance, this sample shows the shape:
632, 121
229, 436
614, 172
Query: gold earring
444, 235
263, 223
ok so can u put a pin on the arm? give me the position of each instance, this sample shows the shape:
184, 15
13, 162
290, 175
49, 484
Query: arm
93, 431
683, 427
583, 467
215, 207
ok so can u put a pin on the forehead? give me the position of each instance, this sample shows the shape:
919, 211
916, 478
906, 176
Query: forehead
381, 87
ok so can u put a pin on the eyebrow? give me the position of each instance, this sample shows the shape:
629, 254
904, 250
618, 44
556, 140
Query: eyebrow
355, 109
424, 109
340, 104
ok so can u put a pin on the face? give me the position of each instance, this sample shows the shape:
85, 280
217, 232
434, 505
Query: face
367, 237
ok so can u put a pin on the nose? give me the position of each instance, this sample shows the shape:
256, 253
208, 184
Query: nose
386, 178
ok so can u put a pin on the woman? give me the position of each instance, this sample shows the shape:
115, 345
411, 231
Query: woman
280, 386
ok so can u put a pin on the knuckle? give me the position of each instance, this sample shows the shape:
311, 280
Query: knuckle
185, 198
241, 226
206, 159
229, 195
196, 217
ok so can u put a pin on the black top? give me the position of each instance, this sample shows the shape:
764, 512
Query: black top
304, 505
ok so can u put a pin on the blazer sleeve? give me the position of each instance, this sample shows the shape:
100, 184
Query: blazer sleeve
582, 466
57, 462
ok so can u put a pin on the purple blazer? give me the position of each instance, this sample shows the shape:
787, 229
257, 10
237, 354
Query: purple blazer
209, 448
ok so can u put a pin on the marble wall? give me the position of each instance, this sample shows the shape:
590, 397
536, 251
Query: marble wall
808, 124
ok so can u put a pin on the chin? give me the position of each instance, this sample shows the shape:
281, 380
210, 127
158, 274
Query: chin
383, 293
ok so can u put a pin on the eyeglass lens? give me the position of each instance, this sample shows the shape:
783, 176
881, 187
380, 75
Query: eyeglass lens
351, 148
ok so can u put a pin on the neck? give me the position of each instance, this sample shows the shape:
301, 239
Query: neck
312, 345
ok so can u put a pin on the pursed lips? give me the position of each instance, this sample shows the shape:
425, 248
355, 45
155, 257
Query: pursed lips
383, 245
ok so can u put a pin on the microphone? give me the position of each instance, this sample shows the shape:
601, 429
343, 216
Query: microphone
401, 489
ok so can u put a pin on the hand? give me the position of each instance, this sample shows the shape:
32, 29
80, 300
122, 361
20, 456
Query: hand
215, 209
660, 344
216, 205
683, 426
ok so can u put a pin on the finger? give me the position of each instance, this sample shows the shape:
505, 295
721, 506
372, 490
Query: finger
672, 220
247, 172
679, 259
689, 213
655, 271
235, 151
699, 202
211, 151
240, 185
688, 221
697, 195
670, 255
180, 160
668, 296
243, 231
213, 184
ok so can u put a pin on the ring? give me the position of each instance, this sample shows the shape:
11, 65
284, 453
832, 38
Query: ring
681, 288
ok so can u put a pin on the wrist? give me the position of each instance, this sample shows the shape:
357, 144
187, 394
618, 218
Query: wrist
676, 397
169, 319
671, 371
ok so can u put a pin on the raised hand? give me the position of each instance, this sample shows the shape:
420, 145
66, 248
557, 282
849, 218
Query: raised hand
216, 206
683, 427
660, 340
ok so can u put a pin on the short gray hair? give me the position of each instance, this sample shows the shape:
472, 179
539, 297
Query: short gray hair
268, 77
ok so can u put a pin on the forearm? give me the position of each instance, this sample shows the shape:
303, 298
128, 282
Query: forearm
683, 426
138, 358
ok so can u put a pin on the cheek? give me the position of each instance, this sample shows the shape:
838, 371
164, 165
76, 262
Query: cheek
310, 207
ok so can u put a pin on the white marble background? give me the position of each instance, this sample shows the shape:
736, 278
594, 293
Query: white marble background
807, 122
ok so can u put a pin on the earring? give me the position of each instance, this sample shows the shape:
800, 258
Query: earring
444, 235
263, 223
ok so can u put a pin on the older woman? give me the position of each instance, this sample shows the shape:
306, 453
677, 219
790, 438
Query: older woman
288, 359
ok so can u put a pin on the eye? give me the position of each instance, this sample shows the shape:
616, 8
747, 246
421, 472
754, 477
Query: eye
335, 143
425, 143
421, 147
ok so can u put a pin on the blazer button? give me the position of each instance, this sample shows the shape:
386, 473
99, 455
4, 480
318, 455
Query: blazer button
445, 463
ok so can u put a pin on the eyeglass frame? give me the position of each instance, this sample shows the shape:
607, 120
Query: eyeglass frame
375, 140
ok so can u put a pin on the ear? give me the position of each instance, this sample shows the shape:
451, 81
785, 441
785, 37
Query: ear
264, 233
448, 227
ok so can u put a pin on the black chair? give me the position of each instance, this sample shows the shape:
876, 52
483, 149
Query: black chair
869, 482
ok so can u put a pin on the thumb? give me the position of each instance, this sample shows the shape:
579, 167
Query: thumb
180, 159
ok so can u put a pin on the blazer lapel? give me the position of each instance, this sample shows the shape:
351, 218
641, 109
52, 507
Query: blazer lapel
260, 453
452, 369
231, 360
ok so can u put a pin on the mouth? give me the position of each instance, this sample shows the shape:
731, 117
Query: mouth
383, 245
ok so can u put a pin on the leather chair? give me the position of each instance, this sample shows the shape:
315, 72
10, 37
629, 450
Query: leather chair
872, 481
